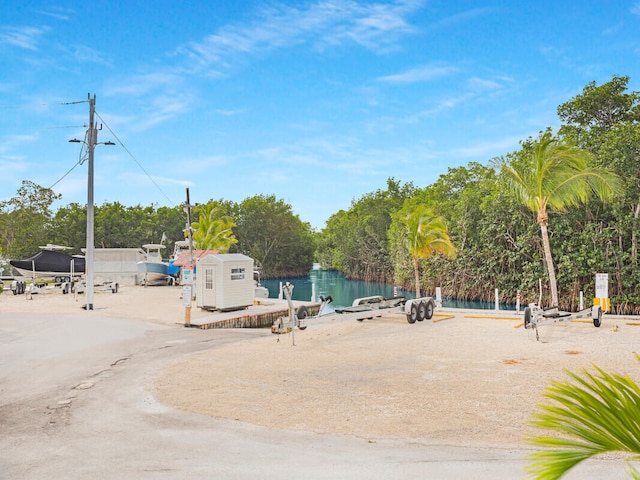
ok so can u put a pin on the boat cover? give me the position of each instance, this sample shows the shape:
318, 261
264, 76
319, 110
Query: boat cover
50, 261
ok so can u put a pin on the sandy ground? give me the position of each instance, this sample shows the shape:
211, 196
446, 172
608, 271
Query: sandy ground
464, 378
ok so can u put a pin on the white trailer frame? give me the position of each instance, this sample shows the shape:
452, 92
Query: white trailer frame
534, 316
416, 309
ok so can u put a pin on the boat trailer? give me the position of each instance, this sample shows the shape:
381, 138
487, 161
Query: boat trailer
534, 316
416, 309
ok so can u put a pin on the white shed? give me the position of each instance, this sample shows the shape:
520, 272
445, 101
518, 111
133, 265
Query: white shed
224, 281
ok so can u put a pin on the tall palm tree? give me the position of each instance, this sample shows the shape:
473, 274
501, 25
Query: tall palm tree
426, 236
594, 414
554, 175
213, 231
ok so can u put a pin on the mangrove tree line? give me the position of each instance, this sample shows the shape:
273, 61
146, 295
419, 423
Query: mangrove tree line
497, 237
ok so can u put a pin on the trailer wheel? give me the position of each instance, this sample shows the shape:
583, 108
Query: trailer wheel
302, 314
598, 320
429, 311
412, 316
527, 317
422, 311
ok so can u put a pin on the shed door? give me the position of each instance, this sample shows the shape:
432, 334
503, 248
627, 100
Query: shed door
209, 290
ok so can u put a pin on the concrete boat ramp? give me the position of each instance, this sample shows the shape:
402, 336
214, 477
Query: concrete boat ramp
260, 315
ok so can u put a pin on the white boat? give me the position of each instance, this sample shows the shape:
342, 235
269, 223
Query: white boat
179, 247
259, 291
153, 270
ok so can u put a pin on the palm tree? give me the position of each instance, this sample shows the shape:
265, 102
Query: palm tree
213, 230
597, 414
554, 175
426, 236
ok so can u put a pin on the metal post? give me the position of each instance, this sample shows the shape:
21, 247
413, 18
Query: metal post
497, 300
92, 138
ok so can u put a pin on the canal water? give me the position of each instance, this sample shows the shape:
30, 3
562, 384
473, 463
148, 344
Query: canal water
344, 291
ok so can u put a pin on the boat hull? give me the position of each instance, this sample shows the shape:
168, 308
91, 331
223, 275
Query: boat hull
153, 272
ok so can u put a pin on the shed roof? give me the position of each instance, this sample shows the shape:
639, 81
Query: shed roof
229, 257
183, 258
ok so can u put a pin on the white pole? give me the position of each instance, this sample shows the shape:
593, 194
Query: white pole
313, 292
497, 301
581, 301
518, 302
280, 292
439, 296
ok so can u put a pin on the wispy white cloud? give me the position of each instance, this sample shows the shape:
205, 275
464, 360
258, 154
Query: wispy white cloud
84, 54
57, 12
172, 181
13, 142
231, 113
483, 84
464, 16
142, 84
375, 26
161, 109
22, 37
486, 150
442, 106
419, 74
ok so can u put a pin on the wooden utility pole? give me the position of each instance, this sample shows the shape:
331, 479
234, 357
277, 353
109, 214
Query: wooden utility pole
187, 290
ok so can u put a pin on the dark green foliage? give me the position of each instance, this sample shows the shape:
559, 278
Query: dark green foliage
25, 220
356, 243
270, 233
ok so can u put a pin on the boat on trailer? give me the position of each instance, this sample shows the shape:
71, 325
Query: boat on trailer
51, 262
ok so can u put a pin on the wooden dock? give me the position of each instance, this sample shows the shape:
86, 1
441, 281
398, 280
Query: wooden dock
260, 315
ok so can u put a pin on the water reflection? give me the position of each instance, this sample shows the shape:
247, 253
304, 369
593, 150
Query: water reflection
334, 284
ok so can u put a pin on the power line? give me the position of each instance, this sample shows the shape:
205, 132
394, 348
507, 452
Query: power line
135, 160
81, 159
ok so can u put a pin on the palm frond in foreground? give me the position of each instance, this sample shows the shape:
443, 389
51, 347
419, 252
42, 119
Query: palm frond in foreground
596, 413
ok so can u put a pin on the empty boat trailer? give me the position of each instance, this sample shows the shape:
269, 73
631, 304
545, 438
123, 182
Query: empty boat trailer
416, 309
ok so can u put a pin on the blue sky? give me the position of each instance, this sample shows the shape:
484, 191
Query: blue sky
317, 102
